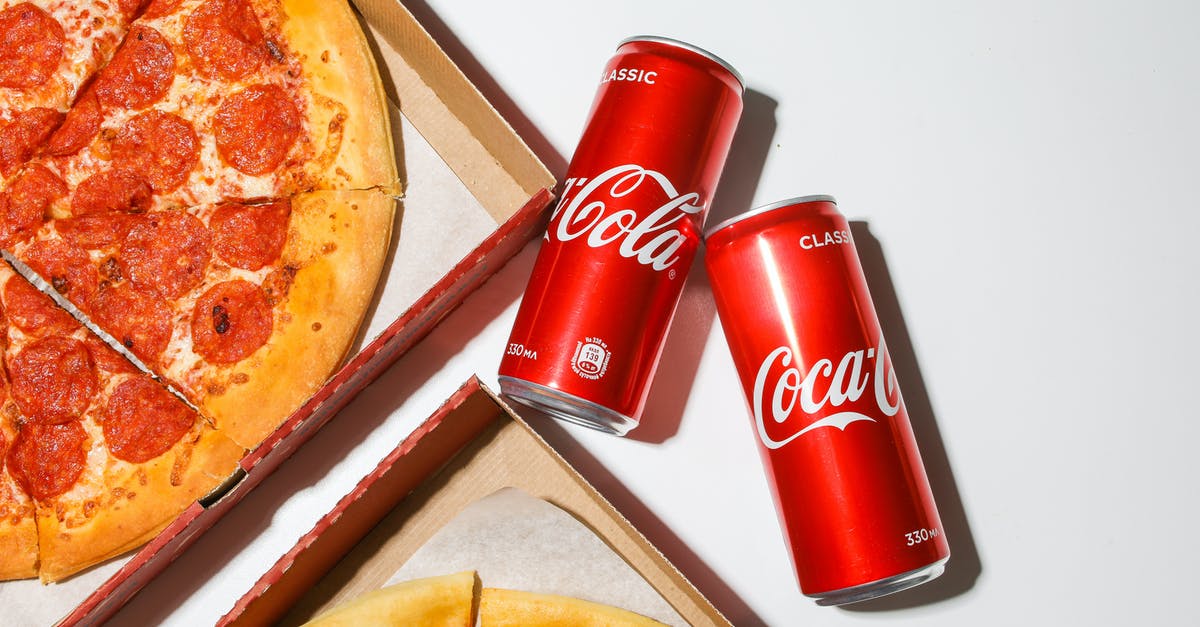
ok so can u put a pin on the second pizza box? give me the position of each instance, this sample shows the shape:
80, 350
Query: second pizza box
468, 449
474, 195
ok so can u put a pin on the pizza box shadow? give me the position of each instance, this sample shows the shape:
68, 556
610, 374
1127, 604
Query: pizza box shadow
232, 535
658, 533
308, 466
483, 81
253, 517
964, 566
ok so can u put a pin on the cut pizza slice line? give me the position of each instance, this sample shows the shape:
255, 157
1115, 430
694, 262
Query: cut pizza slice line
107, 455
245, 309
158, 161
214, 100
456, 600
49, 49
52, 47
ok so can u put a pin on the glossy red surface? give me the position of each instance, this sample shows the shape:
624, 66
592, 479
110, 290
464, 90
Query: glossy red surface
850, 489
617, 251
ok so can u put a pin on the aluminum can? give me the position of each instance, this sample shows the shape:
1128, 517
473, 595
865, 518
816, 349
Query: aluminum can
595, 314
852, 495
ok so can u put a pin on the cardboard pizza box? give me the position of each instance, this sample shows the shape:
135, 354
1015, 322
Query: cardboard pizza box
473, 445
475, 194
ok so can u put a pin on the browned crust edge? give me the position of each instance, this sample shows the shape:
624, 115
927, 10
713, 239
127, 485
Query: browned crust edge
338, 240
442, 600
346, 96
499, 607
18, 548
206, 458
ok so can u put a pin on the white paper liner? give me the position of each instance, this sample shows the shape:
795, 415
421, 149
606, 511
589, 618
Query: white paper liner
519, 542
439, 222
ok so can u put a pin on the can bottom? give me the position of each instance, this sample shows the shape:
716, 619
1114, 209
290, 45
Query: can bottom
566, 407
883, 587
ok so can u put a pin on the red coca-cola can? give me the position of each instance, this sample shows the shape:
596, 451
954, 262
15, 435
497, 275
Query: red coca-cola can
850, 489
592, 323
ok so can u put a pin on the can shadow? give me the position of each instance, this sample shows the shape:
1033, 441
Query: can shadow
650, 525
694, 316
483, 81
964, 566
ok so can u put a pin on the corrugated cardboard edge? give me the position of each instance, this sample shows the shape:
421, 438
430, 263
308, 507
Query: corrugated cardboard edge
488, 145
648, 560
467, 132
365, 367
336, 534
353, 516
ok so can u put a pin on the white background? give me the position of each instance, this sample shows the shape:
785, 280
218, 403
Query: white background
1023, 175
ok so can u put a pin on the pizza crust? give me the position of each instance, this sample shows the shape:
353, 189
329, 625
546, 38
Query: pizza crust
18, 535
18, 532
515, 608
447, 600
338, 240
347, 107
131, 504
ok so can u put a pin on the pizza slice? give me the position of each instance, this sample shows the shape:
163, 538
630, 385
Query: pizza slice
48, 50
108, 456
214, 100
18, 531
245, 308
514, 608
445, 601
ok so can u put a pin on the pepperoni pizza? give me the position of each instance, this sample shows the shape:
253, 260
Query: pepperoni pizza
211, 184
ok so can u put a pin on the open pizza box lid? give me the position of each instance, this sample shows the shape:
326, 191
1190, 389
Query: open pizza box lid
472, 446
475, 194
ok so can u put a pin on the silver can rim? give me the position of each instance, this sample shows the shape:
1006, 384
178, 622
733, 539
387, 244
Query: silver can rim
797, 200
686, 46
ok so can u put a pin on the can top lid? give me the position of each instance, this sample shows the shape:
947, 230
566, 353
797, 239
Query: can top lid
686, 46
798, 200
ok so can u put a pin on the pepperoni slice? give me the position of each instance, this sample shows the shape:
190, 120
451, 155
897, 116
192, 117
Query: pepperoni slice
250, 236
111, 190
140, 73
160, 145
53, 379
96, 230
80, 126
67, 268
31, 46
142, 323
256, 127
166, 253
33, 312
26, 131
143, 420
159, 8
47, 460
230, 321
130, 7
29, 197
107, 359
224, 39
36, 187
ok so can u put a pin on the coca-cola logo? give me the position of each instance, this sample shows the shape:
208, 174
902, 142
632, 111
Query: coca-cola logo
824, 387
593, 213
